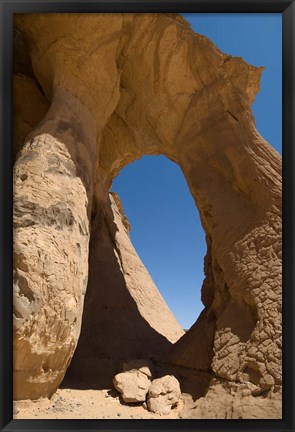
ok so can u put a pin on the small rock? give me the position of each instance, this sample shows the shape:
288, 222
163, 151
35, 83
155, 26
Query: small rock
15, 410
267, 381
163, 394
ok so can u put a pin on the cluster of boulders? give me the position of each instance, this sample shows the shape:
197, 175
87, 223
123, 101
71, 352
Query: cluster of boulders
136, 384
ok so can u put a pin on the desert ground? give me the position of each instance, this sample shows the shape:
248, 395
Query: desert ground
87, 404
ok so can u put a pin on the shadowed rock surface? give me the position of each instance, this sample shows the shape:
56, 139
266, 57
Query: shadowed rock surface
92, 93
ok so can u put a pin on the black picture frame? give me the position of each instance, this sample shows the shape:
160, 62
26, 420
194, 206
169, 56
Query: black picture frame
7, 9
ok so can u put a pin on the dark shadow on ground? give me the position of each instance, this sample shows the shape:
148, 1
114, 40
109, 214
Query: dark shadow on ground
113, 330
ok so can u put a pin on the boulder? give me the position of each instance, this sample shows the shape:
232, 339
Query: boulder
133, 385
164, 393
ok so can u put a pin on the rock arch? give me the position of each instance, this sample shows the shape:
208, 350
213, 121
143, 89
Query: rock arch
121, 86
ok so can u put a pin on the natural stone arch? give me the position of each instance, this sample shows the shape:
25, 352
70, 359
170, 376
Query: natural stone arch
159, 89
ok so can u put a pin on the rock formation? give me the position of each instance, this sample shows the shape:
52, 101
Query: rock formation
135, 380
163, 394
94, 92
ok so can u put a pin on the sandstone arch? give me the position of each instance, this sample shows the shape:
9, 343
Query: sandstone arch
123, 86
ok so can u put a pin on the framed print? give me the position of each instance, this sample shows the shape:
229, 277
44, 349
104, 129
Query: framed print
147, 153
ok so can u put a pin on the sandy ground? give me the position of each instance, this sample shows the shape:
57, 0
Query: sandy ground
69, 403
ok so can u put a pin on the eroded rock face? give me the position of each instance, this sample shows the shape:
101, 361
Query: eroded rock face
51, 240
159, 89
234, 401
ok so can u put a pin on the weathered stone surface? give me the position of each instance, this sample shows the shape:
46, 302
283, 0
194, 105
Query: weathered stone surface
163, 394
234, 401
133, 385
51, 236
121, 87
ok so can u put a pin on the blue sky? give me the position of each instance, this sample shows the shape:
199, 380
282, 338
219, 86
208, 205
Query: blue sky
165, 224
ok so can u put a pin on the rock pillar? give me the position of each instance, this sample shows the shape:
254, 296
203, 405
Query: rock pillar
239, 198
53, 182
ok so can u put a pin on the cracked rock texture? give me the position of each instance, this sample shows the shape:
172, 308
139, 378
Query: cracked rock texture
163, 394
233, 401
135, 380
92, 93
133, 385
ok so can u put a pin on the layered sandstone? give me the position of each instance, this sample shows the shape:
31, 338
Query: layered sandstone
119, 87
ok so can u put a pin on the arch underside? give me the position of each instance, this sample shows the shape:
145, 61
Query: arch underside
159, 89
